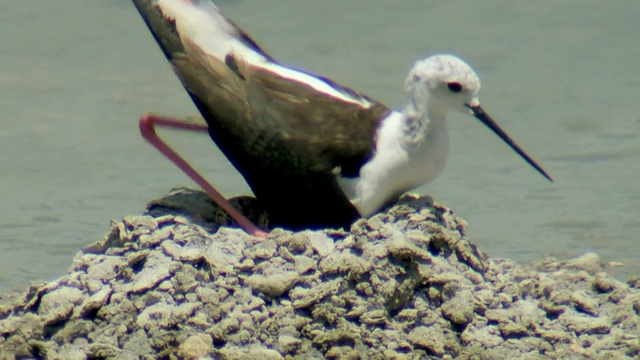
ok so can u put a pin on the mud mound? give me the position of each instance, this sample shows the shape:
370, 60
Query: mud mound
403, 284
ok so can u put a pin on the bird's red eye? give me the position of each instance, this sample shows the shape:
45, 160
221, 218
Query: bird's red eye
454, 87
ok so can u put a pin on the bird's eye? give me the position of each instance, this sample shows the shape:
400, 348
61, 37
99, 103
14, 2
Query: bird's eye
454, 87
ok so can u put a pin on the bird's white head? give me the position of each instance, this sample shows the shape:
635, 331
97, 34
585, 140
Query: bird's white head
443, 83
440, 84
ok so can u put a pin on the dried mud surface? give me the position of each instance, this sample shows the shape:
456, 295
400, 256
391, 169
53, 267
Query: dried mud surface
405, 284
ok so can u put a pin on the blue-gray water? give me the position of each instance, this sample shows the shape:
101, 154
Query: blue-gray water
562, 77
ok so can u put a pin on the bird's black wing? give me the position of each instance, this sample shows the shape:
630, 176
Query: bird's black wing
286, 138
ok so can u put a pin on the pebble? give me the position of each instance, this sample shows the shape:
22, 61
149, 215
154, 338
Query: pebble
273, 285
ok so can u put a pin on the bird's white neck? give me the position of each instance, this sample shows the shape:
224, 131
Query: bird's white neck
422, 117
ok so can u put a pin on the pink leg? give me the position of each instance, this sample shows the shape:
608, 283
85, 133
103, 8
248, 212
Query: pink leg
147, 129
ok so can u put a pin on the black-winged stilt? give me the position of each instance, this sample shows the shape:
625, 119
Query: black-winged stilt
315, 154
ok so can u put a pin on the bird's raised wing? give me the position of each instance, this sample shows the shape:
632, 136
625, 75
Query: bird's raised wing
284, 130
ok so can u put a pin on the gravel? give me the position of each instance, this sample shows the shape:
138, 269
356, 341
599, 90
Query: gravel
406, 284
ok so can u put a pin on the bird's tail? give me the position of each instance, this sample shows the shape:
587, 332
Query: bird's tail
201, 44
174, 22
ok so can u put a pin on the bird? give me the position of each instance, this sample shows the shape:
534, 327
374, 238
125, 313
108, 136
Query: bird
315, 154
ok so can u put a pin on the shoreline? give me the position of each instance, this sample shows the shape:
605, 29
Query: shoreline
406, 283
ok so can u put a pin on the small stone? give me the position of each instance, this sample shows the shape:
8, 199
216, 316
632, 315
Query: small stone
141, 224
246, 265
304, 264
584, 303
374, 317
501, 316
94, 302
604, 283
196, 347
263, 354
266, 249
161, 315
137, 344
150, 240
165, 286
298, 242
428, 338
375, 222
187, 253
634, 282
275, 285
58, 304
321, 244
224, 256
155, 268
589, 262
104, 268
288, 343
555, 336
303, 298
586, 325
99, 350
512, 330
334, 336
459, 309
408, 315
71, 352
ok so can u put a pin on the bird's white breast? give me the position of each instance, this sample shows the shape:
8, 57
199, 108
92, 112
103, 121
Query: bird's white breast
397, 165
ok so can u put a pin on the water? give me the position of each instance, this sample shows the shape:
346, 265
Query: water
561, 77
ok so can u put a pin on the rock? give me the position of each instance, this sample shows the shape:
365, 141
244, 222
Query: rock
586, 325
137, 344
303, 298
589, 262
459, 309
374, 317
304, 264
94, 302
274, 285
195, 347
58, 304
264, 353
155, 267
224, 256
321, 244
178, 252
428, 338
584, 303
288, 343
404, 284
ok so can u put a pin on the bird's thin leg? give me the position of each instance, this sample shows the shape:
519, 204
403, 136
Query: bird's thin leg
147, 125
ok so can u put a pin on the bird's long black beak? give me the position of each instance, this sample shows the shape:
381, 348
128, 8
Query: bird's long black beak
479, 113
